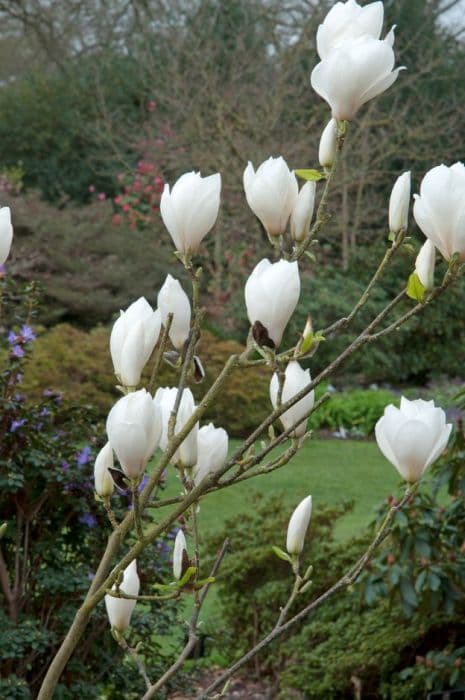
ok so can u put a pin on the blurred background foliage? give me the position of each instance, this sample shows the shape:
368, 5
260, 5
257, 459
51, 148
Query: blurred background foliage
396, 635
100, 104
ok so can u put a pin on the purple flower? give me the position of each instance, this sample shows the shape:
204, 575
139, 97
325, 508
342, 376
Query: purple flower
91, 576
88, 520
17, 424
17, 351
65, 466
44, 411
27, 334
12, 338
143, 483
83, 456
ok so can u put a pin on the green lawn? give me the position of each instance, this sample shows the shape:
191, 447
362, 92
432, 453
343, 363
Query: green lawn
330, 470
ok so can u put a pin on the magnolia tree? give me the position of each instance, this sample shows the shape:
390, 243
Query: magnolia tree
356, 65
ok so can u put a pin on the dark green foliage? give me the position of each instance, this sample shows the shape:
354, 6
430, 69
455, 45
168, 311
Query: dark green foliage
423, 348
357, 411
78, 364
254, 583
438, 670
54, 125
55, 532
363, 638
425, 569
88, 268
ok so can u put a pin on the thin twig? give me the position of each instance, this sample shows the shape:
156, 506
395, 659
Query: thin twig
120, 594
342, 323
135, 504
322, 215
110, 513
192, 635
346, 580
137, 660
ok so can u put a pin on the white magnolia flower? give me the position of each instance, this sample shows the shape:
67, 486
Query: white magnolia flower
134, 428
271, 295
119, 610
413, 436
354, 73
133, 338
6, 233
439, 209
295, 380
348, 20
298, 526
302, 212
103, 480
165, 397
399, 203
179, 555
424, 264
172, 299
328, 145
190, 209
212, 450
271, 193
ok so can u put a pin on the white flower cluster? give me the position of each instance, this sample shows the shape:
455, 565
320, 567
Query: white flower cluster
356, 66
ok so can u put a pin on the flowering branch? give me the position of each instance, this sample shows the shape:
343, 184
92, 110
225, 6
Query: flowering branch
345, 581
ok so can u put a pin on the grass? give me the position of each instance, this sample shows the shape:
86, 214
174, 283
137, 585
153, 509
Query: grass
331, 470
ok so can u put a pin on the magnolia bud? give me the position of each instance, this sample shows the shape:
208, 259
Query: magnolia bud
413, 436
103, 480
424, 264
298, 525
271, 193
133, 338
271, 295
134, 428
295, 380
119, 610
165, 397
399, 203
6, 233
439, 209
190, 210
303, 211
328, 145
212, 450
172, 299
180, 556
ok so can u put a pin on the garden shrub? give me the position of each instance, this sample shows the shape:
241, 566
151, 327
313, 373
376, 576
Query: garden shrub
52, 124
77, 363
254, 583
346, 643
357, 410
55, 532
87, 267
